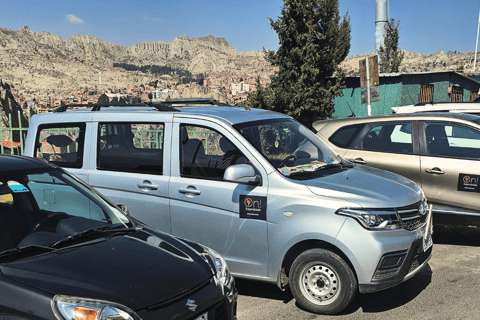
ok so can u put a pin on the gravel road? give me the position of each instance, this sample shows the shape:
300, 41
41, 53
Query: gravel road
447, 288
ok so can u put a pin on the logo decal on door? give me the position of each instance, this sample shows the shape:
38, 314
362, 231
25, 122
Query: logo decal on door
253, 207
468, 182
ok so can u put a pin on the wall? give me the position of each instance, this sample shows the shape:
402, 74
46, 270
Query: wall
400, 90
389, 97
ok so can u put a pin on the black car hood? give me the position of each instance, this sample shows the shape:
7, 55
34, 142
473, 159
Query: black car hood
138, 270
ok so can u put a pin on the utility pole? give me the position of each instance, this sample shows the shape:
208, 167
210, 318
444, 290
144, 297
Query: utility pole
476, 45
369, 104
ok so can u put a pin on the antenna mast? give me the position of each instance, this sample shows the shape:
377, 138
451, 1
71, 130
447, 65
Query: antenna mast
476, 45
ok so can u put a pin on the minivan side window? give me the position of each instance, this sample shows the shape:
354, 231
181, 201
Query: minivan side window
451, 140
61, 144
389, 137
130, 147
344, 137
206, 153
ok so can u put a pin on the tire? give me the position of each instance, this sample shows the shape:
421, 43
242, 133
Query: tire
322, 282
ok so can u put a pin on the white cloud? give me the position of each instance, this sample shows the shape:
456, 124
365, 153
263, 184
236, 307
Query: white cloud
152, 19
73, 19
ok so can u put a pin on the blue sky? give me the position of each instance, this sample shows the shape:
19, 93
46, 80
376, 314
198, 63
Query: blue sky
426, 26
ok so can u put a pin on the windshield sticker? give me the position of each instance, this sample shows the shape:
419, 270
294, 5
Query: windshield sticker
253, 207
17, 187
311, 167
468, 182
6, 198
328, 160
287, 130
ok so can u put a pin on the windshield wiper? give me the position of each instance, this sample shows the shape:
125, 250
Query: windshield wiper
94, 231
27, 250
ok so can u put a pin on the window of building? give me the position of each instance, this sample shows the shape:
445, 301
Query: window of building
426, 93
457, 94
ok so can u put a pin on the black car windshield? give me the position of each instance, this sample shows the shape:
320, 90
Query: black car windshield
42, 208
289, 146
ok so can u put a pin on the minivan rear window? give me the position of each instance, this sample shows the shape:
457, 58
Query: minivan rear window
61, 144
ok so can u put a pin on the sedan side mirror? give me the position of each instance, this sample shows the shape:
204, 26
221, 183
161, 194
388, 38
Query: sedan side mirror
242, 173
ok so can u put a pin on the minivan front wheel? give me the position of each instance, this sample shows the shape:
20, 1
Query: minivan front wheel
322, 282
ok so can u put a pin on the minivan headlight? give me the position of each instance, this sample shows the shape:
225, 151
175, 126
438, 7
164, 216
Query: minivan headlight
372, 219
75, 308
220, 265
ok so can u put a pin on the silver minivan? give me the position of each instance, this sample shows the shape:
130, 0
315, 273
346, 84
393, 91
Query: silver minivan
256, 186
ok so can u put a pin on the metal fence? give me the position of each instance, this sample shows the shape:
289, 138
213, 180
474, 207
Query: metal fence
8, 146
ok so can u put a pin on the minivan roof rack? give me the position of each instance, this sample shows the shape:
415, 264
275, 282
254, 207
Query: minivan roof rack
98, 106
195, 101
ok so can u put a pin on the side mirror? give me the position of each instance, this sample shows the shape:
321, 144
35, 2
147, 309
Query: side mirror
242, 173
124, 209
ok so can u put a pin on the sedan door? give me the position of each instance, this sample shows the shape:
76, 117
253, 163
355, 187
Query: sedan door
205, 208
390, 146
451, 165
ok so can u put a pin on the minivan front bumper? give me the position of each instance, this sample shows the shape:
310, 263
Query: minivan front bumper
383, 259
413, 261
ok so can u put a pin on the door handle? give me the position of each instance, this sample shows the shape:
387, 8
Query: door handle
358, 160
147, 185
190, 191
434, 171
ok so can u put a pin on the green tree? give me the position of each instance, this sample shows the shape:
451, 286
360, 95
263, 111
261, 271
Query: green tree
314, 40
122, 101
115, 100
261, 98
390, 55
136, 99
103, 99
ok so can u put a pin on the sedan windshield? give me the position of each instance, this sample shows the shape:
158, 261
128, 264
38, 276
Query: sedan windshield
42, 208
289, 146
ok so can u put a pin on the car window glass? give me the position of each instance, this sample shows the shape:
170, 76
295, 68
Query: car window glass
344, 137
61, 144
131, 147
54, 195
450, 140
43, 207
389, 137
204, 152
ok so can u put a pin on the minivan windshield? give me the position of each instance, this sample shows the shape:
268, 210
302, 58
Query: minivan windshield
43, 208
289, 146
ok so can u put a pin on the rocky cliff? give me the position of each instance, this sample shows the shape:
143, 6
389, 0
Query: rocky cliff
199, 55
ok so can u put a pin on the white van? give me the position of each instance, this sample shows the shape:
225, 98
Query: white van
457, 107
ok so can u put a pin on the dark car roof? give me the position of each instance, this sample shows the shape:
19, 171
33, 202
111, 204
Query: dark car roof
10, 163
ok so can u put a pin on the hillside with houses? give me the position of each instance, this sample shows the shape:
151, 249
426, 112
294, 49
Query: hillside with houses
44, 70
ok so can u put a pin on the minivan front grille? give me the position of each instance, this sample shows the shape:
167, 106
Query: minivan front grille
410, 217
418, 259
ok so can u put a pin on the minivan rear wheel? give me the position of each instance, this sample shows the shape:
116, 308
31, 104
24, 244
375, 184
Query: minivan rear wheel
322, 282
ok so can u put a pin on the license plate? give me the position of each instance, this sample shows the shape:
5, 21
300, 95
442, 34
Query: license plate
427, 239
202, 317
427, 243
